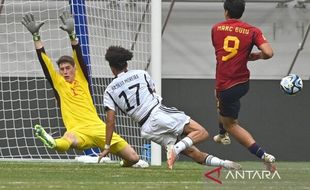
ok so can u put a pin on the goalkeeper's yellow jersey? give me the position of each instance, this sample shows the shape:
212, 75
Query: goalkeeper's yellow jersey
75, 101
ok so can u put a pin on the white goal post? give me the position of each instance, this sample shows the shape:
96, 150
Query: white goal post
26, 98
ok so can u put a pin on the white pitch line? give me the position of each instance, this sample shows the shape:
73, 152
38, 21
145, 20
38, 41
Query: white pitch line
122, 182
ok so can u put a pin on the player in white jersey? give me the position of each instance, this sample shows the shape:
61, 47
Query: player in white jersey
133, 92
129, 90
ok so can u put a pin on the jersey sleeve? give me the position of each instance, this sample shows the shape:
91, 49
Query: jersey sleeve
212, 35
151, 86
150, 82
259, 38
108, 101
79, 61
48, 68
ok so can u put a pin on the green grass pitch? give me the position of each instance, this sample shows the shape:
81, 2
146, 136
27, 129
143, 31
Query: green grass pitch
185, 175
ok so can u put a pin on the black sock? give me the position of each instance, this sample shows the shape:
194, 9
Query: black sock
222, 130
256, 150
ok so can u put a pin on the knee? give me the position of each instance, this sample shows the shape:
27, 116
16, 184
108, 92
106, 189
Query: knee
70, 137
129, 156
198, 130
130, 160
134, 158
228, 125
204, 133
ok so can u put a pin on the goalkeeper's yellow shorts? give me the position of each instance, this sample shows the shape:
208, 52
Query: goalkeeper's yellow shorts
94, 136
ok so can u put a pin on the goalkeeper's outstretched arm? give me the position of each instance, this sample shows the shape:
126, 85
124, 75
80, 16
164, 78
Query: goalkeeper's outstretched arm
68, 26
33, 27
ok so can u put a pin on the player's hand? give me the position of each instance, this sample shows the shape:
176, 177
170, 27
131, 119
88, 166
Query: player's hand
67, 22
254, 56
30, 23
104, 153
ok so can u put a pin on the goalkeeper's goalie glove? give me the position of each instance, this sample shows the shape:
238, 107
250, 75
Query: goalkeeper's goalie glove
68, 24
30, 23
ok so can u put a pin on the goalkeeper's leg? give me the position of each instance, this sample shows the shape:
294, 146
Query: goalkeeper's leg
71, 139
62, 144
121, 148
46, 139
129, 156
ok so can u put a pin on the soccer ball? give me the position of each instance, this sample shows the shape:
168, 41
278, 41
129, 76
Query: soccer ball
291, 84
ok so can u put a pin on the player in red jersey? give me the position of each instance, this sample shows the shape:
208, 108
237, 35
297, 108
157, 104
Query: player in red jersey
233, 41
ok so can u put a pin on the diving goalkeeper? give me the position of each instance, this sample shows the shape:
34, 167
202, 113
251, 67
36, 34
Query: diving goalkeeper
84, 128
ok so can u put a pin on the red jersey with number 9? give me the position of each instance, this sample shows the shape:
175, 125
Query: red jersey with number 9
233, 41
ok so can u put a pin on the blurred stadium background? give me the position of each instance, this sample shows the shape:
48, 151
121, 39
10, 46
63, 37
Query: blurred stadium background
279, 122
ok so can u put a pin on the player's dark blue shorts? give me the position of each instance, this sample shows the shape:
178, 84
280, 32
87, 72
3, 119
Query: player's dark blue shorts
229, 99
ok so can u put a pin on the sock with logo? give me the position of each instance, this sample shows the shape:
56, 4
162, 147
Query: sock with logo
183, 144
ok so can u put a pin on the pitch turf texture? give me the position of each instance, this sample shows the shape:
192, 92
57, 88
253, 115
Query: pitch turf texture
186, 175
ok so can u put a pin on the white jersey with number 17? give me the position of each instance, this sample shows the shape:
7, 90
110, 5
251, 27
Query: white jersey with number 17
133, 93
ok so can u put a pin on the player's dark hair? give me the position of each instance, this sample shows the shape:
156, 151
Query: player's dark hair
235, 8
118, 56
65, 59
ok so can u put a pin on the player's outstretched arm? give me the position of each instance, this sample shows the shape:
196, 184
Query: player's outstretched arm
68, 26
33, 27
110, 121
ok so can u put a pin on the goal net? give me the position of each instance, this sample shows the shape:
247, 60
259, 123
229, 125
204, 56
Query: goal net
26, 98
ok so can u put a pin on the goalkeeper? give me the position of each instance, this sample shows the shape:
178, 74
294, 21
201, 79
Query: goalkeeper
71, 86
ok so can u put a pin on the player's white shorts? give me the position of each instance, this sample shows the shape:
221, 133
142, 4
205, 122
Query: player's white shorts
164, 125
